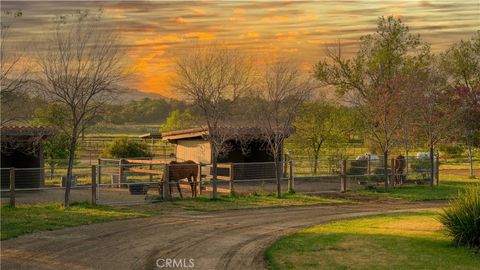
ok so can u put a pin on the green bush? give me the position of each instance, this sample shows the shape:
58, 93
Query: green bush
452, 151
462, 218
124, 148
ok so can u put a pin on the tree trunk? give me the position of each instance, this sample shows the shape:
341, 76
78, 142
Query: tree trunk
214, 175
315, 164
71, 157
470, 157
432, 166
385, 168
277, 176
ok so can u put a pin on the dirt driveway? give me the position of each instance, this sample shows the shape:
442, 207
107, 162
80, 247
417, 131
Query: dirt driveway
220, 240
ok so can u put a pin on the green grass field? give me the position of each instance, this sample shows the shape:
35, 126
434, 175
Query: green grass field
445, 191
395, 241
26, 219
251, 201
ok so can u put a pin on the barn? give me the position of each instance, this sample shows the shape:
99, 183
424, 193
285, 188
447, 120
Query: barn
190, 144
21, 147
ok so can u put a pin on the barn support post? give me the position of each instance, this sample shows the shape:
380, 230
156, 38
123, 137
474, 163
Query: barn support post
291, 177
12, 187
166, 183
199, 179
343, 176
393, 173
94, 184
150, 165
437, 170
232, 179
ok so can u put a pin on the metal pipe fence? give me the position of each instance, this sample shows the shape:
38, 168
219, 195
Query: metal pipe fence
127, 181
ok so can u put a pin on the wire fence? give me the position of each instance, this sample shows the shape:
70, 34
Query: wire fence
132, 181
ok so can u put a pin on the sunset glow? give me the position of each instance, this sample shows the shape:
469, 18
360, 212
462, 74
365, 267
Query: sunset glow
156, 32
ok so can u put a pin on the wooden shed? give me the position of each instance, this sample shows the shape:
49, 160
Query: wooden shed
21, 147
190, 144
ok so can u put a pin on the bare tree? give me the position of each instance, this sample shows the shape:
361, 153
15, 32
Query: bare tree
213, 77
436, 108
78, 70
279, 95
13, 75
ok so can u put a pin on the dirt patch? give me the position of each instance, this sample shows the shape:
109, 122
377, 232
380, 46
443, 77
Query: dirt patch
219, 240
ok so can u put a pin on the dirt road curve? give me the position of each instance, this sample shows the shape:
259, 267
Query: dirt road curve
221, 240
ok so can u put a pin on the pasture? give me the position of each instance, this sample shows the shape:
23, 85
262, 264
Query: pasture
393, 241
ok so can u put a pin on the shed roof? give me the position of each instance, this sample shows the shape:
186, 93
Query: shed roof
200, 132
27, 131
151, 135
185, 133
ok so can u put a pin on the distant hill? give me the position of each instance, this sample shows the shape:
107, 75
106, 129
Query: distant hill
130, 94
123, 95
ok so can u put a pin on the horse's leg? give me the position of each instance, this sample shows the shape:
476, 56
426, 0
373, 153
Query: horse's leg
179, 189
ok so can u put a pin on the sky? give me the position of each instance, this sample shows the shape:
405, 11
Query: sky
155, 33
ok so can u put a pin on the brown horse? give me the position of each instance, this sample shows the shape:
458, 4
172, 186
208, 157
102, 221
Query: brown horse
400, 165
181, 170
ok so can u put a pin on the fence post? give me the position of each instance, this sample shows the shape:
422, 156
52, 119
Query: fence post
369, 167
12, 187
99, 171
166, 183
120, 172
291, 177
343, 176
94, 184
150, 167
232, 179
392, 174
437, 170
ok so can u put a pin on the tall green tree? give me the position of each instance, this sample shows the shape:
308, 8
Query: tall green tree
462, 63
373, 79
319, 125
178, 120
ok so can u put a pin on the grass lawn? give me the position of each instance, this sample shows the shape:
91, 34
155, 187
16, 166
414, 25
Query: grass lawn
45, 217
395, 241
251, 201
446, 190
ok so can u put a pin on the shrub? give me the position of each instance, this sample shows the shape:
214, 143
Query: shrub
462, 218
452, 151
124, 148
357, 167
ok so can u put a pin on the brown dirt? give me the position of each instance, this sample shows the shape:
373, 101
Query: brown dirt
219, 240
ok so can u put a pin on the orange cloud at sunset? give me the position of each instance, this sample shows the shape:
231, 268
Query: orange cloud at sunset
154, 33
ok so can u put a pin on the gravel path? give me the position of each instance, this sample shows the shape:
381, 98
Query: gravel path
219, 240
